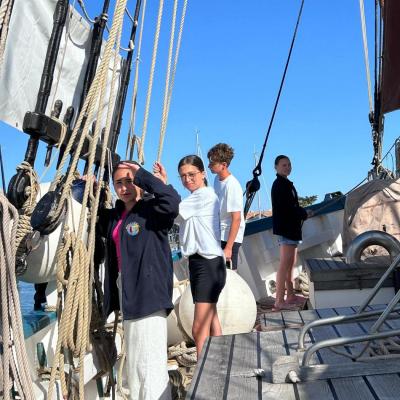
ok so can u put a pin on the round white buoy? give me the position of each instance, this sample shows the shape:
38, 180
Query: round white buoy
175, 334
237, 309
41, 260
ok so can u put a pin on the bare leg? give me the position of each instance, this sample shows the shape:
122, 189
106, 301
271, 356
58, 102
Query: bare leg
203, 317
287, 257
289, 276
216, 329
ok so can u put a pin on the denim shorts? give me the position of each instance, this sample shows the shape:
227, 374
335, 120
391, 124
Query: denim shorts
283, 240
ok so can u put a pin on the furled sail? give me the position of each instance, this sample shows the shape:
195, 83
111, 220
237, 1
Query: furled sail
391, 56
20, 73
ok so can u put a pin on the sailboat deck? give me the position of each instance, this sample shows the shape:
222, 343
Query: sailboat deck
226, 366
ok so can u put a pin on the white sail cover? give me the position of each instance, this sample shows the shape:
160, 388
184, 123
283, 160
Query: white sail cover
20, 74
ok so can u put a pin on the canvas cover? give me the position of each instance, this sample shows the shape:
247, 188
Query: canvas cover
373, 206
25, 52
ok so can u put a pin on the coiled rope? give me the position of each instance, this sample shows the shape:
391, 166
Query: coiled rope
24, 223
14, 367
186, 356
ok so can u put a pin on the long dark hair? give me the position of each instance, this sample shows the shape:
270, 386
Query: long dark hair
194, 160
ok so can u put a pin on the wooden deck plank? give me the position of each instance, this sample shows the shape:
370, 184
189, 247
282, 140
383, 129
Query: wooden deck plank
292, 319
385, 387
244, 360
307, 390
313, 264
225, 367
339, 385
212, 372
322, 333
273, 321
272, 347
354, 388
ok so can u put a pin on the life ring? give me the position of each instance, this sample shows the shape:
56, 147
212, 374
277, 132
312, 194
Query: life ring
370, 238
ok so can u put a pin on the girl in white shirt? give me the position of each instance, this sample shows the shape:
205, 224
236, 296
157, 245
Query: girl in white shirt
199, 234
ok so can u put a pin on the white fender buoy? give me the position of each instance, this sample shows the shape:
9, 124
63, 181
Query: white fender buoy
175, 334
41, 260
237, 309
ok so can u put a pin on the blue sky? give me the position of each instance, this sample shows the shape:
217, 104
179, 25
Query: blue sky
232, 59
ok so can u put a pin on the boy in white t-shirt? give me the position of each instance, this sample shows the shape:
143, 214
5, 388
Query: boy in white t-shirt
230, 195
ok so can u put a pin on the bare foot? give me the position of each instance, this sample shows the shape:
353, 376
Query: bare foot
283, 306
294, 299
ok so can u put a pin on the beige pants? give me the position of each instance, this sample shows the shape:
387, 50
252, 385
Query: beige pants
146, 356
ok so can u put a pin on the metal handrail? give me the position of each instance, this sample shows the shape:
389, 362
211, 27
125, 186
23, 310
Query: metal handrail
339, 319
343, 341
360, 314
374, 291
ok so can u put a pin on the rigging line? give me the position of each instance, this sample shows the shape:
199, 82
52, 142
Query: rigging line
5, 16
257, 169
172, 81
366, 56
85, 13
129, 15
67, 36
2, 173
150, 85
253, 185
132, 120
167, 81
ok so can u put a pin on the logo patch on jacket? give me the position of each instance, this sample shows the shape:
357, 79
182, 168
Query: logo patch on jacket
133, 228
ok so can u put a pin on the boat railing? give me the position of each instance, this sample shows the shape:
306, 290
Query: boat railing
361, 314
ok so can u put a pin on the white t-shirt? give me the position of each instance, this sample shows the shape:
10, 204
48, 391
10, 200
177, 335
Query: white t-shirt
198, 220
230, 196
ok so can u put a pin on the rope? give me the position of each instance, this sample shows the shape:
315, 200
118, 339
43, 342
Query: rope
131, 136
85, 13
5, 15
185, 356
254, 185
304, 283
14, 366
170, 82
366, 56
73, 257
167, 81
24, 223
151, 79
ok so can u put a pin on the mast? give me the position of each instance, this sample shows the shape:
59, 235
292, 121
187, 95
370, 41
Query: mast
386, 74
37, 123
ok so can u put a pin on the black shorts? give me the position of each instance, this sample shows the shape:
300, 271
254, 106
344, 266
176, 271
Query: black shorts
207, 278
235, 254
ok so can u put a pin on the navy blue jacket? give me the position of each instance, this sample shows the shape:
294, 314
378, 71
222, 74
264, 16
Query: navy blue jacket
146, 261
287, 215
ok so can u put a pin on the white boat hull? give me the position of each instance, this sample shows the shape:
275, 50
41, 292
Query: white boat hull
259, 253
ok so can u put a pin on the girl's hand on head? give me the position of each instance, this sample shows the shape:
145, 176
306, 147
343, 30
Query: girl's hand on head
160, 172
133, 166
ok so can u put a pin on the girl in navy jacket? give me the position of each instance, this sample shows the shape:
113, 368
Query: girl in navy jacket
139, 273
